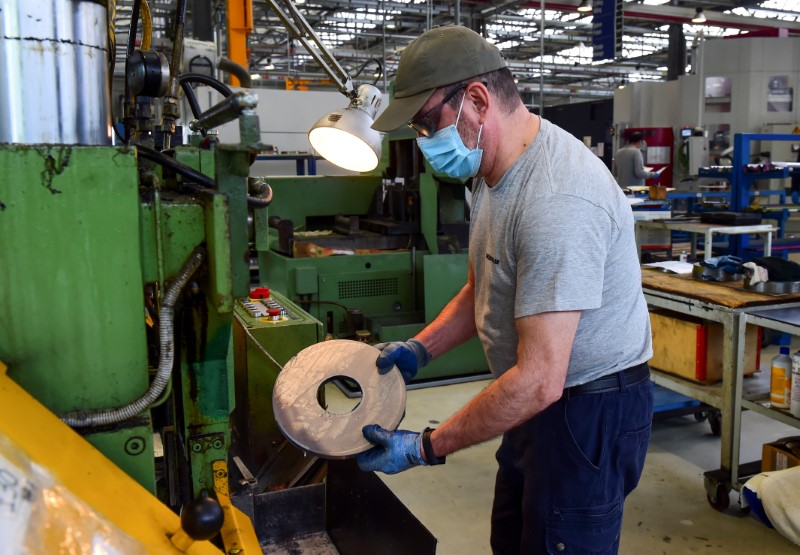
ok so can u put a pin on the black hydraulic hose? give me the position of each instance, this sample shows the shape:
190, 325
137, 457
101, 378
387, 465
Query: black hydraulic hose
260, 202
177, 39
207, 184
178, 167
237, 70
191, 98
218, 86
134, 28
364, 65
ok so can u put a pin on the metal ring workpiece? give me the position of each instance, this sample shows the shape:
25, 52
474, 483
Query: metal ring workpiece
336, 436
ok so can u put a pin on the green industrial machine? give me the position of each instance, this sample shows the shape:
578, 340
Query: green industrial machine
121, 266
86, 265
71, 275
374, 258
262, 345
126, 302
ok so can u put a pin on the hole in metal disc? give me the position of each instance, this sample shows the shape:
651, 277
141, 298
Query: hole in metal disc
331, 398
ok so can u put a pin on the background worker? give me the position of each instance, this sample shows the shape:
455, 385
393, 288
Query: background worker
629, 163
554, 293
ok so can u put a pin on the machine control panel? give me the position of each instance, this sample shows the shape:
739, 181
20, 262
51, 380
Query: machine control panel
260, 304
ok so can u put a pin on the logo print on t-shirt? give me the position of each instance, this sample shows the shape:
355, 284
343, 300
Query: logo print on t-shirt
491, 258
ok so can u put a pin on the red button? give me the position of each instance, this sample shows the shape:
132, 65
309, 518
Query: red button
260, 293
274, 312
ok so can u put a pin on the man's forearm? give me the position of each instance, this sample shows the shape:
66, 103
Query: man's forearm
454, 324
508, 402
527, 388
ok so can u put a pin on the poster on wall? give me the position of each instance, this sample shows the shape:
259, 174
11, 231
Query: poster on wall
779, 94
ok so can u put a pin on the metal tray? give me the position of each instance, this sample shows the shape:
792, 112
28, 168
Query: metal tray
713, 274
774, 287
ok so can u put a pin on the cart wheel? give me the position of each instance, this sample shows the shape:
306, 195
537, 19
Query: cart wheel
700, 416
715, 421
721, 498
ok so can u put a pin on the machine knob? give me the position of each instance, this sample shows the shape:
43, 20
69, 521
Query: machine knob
202, 518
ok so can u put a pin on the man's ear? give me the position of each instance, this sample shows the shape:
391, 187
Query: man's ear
479, 96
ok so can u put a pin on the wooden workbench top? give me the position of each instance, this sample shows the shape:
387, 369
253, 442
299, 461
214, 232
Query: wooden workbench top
730, 294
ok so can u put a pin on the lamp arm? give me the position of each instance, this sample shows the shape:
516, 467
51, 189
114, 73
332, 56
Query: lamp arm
300, 29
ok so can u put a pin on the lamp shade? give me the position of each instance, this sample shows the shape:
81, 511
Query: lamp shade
345, 137
585, 6
699, 16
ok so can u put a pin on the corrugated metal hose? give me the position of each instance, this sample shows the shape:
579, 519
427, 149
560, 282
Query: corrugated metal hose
104, 417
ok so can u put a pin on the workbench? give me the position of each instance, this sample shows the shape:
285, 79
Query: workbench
708, 231
734, 307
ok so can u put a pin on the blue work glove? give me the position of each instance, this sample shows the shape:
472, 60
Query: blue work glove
394, 452
409, 356
654, 175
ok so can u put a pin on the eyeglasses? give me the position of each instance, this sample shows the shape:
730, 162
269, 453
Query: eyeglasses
427, 123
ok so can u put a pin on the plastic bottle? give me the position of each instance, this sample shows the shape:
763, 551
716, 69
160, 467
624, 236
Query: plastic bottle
780, 391
794, 405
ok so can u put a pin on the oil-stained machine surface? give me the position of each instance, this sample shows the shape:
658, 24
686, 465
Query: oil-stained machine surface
314, 429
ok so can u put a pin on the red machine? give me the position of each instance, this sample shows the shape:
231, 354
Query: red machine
658, 146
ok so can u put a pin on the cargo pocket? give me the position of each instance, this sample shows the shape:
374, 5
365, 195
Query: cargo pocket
585, 531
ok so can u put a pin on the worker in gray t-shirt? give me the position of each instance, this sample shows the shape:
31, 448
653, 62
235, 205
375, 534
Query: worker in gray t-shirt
629, 163
553, 292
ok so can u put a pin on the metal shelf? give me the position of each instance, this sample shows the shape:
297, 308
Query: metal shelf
708, 394
741, 181
734, 393
780, 416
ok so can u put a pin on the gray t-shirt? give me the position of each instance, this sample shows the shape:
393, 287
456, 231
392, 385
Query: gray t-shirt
556, 234
630, 167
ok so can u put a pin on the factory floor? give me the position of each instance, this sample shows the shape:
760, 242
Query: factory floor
667, 514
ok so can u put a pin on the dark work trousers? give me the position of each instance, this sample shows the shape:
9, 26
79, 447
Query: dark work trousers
564, 474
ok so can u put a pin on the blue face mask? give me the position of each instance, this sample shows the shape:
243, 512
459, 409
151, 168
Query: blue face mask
447, 154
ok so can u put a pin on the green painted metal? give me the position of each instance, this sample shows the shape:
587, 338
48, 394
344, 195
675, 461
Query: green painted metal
397, 294
258, 432
206, 384
428, 192
182, 226
299, 198
378, 284
444, 276
232, 166
306, 280
79, 248
71, 300
261, 229
218, 242
126, 444
351, 280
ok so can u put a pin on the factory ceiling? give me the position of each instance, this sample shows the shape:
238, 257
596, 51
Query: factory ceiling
356, 31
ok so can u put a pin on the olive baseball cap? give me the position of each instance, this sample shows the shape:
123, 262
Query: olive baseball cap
436, 58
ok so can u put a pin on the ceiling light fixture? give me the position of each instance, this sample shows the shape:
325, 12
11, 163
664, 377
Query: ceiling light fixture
585, 6
699, 16
270, 65
344, 137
